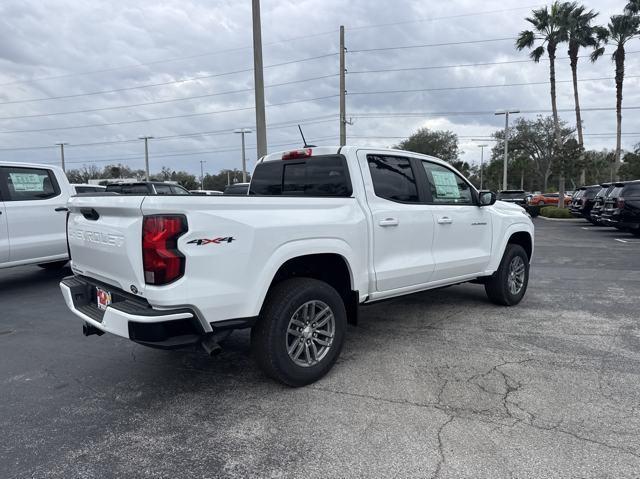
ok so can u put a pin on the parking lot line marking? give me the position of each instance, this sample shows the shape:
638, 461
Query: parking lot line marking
589, 228
632, 241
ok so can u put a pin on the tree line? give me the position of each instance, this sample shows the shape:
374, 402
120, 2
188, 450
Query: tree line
218, 181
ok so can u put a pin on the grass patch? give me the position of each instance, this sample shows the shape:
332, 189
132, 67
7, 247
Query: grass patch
555, 212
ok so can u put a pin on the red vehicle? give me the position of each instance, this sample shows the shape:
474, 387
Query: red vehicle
549, 199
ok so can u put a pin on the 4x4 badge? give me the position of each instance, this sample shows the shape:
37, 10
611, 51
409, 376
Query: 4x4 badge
204, 241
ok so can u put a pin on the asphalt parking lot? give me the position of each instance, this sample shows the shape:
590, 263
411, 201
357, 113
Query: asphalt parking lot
439, 384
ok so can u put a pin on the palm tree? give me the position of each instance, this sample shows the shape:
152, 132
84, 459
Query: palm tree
620, 30
580, 34
549, 28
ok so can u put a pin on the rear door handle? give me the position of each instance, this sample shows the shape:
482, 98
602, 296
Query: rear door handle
62, 208
445, 220
389, 222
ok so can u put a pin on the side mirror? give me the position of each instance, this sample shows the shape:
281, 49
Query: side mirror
486, 198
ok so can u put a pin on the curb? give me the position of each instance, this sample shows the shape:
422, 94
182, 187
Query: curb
572, 220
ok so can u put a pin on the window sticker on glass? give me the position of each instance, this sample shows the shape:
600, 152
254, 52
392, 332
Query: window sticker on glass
446, 184
27, 182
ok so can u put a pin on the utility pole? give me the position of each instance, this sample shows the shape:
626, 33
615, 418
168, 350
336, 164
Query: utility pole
261, 121
242, 132
202, 162
482, 147
506, 114
146, 154
343, 91
61, 145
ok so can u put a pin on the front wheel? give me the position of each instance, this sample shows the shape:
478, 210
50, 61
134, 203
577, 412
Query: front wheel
300, 332
509, 283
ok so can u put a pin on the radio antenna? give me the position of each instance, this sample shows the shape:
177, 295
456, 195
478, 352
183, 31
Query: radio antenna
304, 141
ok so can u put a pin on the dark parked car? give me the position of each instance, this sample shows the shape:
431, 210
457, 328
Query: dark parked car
146, 188
607, 217
518, 197
238, 189
583, 201
625, 212
598, 203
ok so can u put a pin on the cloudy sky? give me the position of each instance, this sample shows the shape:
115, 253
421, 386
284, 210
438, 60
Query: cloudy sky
98, 74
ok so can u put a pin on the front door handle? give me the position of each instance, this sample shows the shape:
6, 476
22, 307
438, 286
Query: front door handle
62, 208
445, 220
389, 222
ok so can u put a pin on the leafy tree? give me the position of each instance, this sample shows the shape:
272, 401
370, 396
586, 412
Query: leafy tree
549, 28
439, 143
619, 31
184, 179
533, 148
630, 169
632, 8
220, 181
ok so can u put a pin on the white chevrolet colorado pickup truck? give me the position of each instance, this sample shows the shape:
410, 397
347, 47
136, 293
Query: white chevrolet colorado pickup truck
322, 231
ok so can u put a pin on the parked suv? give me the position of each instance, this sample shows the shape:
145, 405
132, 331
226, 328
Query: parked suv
583, 200
518, 197
626, 214
598, 203
549, 199
609, 216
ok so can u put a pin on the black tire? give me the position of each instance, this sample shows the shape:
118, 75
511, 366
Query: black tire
53, 266
269, 336
636, 232
497, 286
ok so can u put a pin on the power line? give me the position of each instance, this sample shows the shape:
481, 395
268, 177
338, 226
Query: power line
192, 153
170, 60
430, 45
448, 17
473, 87
149, 85
172, 100
187, 115
419, 114
462, 65
306, 121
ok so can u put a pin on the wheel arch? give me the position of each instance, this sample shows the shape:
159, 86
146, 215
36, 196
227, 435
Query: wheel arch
331, 263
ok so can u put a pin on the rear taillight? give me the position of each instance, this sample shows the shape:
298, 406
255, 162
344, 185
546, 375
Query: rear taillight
620, 203
295, 154
162, 261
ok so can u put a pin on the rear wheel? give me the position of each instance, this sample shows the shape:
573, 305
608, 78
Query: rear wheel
508, 284
53, 266
300, 332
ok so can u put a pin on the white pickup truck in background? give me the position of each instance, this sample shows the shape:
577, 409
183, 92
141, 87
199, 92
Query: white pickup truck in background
322, 231
33, 211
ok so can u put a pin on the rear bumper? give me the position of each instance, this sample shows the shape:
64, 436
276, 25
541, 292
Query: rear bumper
131, 317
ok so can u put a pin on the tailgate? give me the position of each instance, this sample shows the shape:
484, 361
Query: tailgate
105, 239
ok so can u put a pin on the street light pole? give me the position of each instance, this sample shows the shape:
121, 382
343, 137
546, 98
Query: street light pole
506, 114
146, 154
202, 162
482, 147
242, 132
261, 121
61, 145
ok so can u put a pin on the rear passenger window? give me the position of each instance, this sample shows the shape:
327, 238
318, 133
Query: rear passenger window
163, 189
447, 187
316, 176
393, 178
25, 184
632, 190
